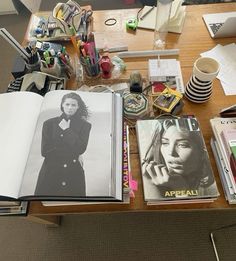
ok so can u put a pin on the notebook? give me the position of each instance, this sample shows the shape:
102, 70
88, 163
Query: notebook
221, 24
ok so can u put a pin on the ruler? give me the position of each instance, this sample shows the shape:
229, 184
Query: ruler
147, 53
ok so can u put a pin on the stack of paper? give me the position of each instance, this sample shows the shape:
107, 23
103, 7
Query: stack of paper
226, 57
176, 22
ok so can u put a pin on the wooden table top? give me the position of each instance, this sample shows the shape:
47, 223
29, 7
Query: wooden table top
193, 40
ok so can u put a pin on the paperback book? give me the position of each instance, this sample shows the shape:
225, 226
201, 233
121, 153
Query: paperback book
175, 164
67, 145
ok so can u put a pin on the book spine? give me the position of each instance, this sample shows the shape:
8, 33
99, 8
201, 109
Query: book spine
222, 168
126, 161
225, 143
230, 148
232, 145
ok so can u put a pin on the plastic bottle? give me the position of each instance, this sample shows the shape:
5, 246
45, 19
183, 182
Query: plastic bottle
162, 22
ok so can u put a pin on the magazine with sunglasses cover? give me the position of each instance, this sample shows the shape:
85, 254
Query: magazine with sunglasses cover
67, 145
175, 165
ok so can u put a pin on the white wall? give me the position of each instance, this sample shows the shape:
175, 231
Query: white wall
7, 7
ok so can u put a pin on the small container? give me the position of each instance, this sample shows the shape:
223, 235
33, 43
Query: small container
91, 70
105, 65
34, 66
54, 70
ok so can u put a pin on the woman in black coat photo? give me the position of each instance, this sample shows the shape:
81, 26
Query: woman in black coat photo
64, 140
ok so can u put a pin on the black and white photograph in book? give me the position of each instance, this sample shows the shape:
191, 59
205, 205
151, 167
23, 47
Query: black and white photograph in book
64, 141
174, 160
71, 155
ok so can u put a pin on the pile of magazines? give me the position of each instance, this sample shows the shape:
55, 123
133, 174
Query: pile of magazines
10, 208
224, 149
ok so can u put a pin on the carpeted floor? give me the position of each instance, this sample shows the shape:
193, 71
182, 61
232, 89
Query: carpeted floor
153, 236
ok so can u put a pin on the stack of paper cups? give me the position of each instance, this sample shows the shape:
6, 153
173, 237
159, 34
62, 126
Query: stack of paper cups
199, 88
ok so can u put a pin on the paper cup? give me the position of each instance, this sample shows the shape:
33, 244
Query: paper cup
91, 70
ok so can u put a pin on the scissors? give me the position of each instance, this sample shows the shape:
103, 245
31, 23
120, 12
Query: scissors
85, 17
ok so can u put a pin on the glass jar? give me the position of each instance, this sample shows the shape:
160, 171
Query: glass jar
162, 21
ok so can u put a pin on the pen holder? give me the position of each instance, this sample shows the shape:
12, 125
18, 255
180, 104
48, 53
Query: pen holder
35, 64
54, 70
199, 87
91, 70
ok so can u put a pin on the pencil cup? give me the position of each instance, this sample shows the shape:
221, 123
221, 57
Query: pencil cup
54, 70
199, 87
35, 64
90, 69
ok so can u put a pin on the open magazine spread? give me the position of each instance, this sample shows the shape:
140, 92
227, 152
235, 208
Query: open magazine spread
174, 160
64, 146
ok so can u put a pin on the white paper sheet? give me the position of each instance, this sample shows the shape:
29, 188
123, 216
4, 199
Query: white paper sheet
226, 56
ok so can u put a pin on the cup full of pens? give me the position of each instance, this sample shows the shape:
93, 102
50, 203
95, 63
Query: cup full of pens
88, 56
57, 63
91, 69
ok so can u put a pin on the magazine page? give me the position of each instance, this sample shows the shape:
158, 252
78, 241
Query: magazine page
70, 155
18, 116
117, 158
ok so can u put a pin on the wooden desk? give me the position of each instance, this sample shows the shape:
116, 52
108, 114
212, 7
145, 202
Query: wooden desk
193, 40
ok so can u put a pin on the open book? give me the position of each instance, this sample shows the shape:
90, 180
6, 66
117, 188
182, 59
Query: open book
64, 146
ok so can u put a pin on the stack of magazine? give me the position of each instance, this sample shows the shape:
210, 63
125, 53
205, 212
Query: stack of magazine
224, 149
9, 208
175, 163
